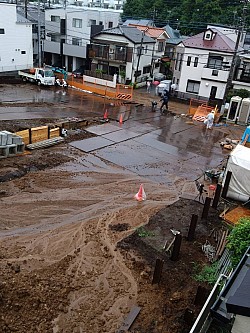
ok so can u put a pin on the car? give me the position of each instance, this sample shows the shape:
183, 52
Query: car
164, 85
78, 72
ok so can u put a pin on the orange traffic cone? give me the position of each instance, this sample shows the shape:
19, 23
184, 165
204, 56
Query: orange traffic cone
141, 195
105, 115
120, 120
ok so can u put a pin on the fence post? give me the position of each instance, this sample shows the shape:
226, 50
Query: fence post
226, 184
206, 208
176, 247
192, 227
158, 271
217, 196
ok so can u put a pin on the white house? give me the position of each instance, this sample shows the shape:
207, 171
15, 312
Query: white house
123, 50
114, 4
16, 50
68, 32
203, 62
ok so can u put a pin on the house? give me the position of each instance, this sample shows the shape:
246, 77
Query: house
168, 59
123, 50
68, 32
160, 36
203, 62
16, 50
241, 79
233, 304
37, 18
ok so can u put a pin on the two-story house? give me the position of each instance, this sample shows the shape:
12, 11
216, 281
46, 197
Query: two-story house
68, 32
16, 50
202, 64
123, 50
160, 36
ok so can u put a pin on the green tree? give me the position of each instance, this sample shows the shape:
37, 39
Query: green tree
239, 240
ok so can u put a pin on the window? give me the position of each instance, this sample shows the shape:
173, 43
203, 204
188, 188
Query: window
92, 22
196, 61
76, 23
55, 38
215, 72
76, 41
176, 62
140, 50
23, 52
110, 25
193, 86
2, 31
146, 69
214, 62
100, 23
189, 60
180, 62
55, 18
208, 35
160, 46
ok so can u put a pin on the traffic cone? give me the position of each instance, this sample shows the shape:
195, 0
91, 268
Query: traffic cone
120, 120
141, 195
105, 115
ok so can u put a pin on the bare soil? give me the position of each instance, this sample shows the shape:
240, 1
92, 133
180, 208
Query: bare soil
71, 257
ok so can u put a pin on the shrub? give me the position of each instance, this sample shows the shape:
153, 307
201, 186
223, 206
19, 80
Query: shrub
239, 240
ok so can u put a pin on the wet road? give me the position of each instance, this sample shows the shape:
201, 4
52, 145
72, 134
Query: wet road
147, 143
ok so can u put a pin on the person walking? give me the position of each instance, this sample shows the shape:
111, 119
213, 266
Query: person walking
148, 86
209, 121
164, 100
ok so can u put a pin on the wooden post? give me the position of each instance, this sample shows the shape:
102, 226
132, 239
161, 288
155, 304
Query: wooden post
226, 184
192, 227
176, 247
30, 135
217, 196
157, 272
206, 208
48, 132
201, 295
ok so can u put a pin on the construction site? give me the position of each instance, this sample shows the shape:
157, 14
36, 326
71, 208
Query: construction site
95, 190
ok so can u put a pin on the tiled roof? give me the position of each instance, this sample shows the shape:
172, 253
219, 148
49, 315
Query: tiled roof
131, 33
220, 42
149, 31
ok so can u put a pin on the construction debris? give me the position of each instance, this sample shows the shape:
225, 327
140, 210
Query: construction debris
10, 144
229, 143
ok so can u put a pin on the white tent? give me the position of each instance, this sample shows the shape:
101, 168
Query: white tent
239, 164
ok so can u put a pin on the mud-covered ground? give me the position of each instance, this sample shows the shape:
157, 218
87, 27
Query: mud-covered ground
72, 259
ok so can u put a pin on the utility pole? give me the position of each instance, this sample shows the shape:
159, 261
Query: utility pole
139, 55
39, 36
240, 32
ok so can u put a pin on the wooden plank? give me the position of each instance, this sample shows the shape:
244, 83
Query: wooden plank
222, 215
235, 214
54, 132
129, 320
24, 135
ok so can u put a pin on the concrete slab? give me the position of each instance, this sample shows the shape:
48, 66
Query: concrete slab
103, 129
91, 144
148, 140
120, 136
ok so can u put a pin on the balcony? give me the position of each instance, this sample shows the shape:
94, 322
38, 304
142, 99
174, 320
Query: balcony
119, 54
52, 47
214, 74
75, 50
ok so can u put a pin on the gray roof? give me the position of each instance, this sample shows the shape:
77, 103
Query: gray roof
174, 35
140, 22
131, 33
21, 19
32, 14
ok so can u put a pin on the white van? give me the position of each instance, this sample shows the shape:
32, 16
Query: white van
163, 85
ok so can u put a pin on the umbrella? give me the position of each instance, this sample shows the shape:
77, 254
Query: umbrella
156, 83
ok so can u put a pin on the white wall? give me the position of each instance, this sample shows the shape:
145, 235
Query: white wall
16, 39
201, 73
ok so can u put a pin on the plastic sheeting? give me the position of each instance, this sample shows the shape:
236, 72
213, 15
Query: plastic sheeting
239, 165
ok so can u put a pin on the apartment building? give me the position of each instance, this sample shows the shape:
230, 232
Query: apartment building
68, 32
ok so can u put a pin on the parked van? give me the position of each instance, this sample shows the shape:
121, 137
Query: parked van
163, 85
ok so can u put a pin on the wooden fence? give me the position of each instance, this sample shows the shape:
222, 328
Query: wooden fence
36, 134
